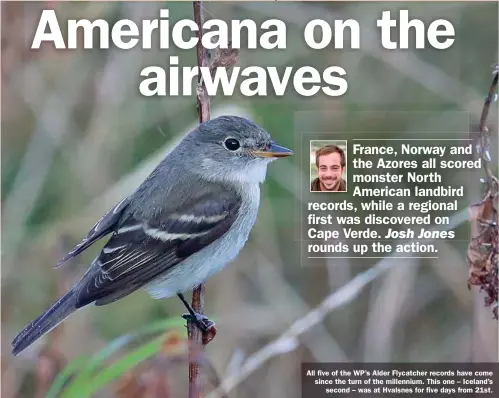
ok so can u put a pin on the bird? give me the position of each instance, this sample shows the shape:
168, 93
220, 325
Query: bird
185, 222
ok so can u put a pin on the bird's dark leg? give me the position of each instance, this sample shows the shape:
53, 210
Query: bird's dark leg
201, 321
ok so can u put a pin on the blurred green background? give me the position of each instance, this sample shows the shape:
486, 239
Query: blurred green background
77, 137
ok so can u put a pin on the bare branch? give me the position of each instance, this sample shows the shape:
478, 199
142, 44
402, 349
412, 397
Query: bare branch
483, 252
212, 59
289, 340
203, 105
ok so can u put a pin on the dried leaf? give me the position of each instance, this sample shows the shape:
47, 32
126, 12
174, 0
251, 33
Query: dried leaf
129, 385
174, 344
209, 335
483, 250
221, 57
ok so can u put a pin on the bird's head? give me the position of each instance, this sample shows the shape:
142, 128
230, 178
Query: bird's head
231, 147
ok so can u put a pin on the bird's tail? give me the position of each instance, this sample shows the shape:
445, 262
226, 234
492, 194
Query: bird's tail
47, 321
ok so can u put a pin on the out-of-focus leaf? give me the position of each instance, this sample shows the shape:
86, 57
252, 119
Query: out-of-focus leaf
93, 366
88, 387
63, 377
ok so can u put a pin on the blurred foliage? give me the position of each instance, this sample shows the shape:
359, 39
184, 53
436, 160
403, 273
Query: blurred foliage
84, 378
77, 136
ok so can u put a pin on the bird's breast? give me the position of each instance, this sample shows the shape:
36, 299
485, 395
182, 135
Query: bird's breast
197, 268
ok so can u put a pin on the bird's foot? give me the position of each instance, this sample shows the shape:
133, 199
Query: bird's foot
202, 322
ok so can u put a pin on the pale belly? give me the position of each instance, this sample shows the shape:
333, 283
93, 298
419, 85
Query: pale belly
200, 266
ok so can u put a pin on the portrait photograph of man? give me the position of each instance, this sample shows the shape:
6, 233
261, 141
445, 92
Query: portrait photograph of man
328, 166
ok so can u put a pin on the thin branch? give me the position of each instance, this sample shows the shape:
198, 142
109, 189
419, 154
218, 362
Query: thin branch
289, 340
212, 59
203, 106
483, 254
484, 148
203, 101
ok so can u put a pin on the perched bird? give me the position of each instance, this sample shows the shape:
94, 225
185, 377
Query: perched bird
186, 221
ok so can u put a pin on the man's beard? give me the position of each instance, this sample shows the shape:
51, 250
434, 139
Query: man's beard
334, 181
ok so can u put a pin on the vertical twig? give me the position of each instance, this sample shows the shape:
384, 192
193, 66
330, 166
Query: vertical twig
195, 335
483, 252
213, 59
203, 100
484, 148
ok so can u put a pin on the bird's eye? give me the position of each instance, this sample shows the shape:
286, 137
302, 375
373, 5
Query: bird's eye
232, 144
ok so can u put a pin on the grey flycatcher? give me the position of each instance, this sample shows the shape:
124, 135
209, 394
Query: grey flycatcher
186, 221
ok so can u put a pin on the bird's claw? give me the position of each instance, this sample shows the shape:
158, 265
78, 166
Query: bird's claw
201, 321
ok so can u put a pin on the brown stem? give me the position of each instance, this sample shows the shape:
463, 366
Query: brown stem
195, 335
196, 344
203, 100
488, 101
482, 250
484, 135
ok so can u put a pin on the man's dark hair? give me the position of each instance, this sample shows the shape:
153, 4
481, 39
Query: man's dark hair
327, 150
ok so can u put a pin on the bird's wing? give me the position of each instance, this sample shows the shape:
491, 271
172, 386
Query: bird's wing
140, 249
103, 227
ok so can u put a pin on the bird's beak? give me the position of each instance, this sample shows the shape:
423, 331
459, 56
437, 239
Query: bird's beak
274, 151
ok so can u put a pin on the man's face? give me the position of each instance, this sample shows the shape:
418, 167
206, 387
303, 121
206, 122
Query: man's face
330, 171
